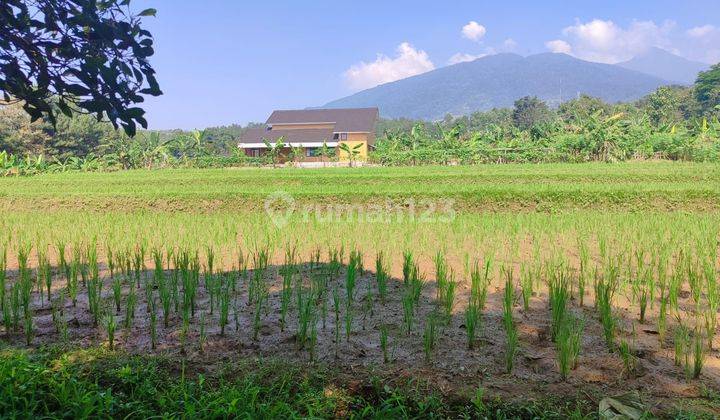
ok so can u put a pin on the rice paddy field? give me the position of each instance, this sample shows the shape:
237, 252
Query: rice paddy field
475, 291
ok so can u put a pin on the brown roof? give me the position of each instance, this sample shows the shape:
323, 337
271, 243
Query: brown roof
345, 120
256, 135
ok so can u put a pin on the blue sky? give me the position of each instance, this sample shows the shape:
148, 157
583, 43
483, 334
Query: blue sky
230, 61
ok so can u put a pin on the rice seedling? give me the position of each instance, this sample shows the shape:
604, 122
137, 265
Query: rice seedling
527, 280
448, 301
63, 267
117, 293
641, 285
257, 282
202, 335
153, 324
511, 333
408, 263
381, 276
384, 342
348, 319
604, 295
336, 307
682, 344
165, 294
130, 304
415, 284
224, 302
312, 342
628, 358
430, 335
72, 280
110, 325
351, 277
28, 327
334, 263
408, 304
674, 286
662, 318
58, 316
479, 282
558, 296
236, 313
712, 293
288, 272
357, 256
94, 295
315, 258
15, 306
472, 320
583, 271
698, 355
108, 257
44, 275
441, 276
184, 328
25, 285
139, 263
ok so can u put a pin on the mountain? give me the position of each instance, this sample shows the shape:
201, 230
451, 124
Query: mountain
497, 81
666, 65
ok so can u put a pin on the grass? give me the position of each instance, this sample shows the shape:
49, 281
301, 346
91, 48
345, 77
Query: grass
562, 184
94, 382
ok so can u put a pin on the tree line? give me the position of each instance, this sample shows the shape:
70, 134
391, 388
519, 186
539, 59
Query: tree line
674, 122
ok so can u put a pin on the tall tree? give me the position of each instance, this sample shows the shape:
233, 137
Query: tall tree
529, 111
84, 56
581, 108
707, 90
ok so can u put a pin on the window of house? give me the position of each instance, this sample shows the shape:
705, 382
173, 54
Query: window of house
343, 136
255, 152
316, 151
336, 136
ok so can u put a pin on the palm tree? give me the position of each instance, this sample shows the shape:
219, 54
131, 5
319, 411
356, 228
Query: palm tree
352, 153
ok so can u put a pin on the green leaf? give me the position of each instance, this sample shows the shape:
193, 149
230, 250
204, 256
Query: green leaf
148, 12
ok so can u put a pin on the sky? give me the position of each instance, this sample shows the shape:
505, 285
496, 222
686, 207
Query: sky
222, 62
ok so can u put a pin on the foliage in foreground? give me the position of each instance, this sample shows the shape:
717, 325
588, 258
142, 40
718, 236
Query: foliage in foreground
94, 382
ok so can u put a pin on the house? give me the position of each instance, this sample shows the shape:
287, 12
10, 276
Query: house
305, 131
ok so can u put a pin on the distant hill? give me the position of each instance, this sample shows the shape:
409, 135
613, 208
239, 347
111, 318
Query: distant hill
497, 81
666, 65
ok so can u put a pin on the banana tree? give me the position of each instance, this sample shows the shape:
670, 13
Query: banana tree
325, 152
296, 153
352, 152
274, 149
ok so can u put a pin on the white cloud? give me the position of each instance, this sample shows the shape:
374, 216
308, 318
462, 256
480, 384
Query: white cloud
605, 41
558, 46
702, 31
464, 58
408, 62
473, 31
509, 45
